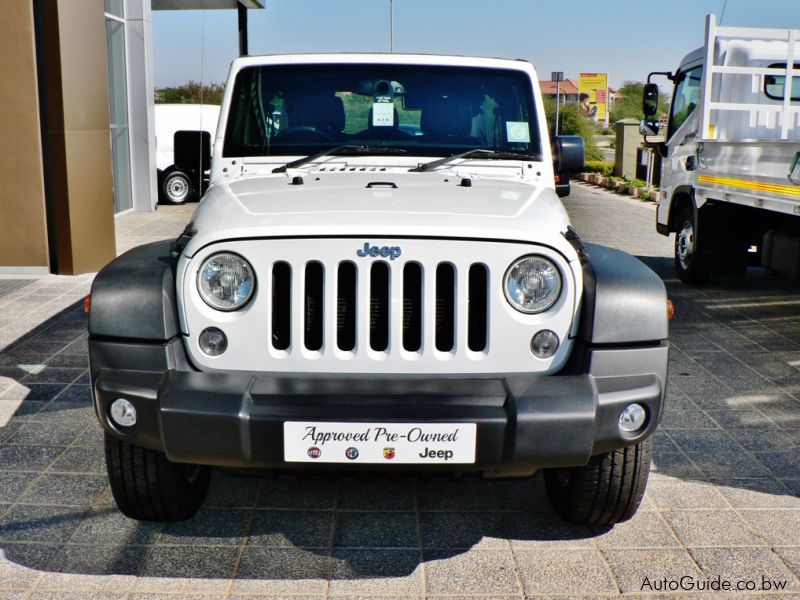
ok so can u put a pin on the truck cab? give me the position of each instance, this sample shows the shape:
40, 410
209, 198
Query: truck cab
730, 162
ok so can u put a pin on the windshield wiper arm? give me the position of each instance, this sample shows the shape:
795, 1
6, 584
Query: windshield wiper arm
486, 152
363, 149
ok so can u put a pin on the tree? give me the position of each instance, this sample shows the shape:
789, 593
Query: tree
629, 105
572, 122
192, 92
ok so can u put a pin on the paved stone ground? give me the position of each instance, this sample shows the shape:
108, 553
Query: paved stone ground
723, 500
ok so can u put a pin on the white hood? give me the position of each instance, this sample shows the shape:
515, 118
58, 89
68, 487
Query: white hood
364, 204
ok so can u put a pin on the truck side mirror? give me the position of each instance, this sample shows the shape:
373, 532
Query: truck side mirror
650, 100
649, 127
568, 154
192, 150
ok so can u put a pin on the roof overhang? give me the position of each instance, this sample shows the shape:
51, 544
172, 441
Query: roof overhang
204, 4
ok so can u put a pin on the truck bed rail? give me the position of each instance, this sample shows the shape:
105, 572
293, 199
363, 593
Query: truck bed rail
788, 115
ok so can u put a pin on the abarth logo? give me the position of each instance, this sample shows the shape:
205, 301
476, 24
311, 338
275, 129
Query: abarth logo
351, 453
388, 453
390, 252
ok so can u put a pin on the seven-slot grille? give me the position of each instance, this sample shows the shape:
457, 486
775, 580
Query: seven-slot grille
321, 305
365, 295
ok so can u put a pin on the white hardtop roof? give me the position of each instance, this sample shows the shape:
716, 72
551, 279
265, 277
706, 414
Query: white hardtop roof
383, 58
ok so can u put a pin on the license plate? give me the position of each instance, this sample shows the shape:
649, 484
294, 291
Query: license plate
379, 443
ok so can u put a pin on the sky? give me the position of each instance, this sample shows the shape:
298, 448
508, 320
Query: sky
624, 38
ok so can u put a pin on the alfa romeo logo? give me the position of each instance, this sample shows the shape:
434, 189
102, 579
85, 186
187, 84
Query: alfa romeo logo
351, 453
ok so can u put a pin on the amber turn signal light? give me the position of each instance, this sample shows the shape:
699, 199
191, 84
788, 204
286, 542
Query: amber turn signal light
670, 310
87, 303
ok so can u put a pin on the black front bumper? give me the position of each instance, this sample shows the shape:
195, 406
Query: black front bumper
236, 419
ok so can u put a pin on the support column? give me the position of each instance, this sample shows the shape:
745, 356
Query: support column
23, 242
141, 113
77, 140
242, 9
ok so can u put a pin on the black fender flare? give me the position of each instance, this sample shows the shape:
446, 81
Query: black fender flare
133, 297
624, 301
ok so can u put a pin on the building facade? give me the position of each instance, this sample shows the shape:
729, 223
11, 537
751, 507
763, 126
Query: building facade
77, 88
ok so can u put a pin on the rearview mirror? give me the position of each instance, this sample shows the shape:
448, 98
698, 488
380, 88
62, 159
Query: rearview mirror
568, 154
650, 100
192, 150
649, 127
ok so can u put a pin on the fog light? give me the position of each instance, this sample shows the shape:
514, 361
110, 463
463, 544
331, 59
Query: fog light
212, 341
544, 344
123, 413
632, 418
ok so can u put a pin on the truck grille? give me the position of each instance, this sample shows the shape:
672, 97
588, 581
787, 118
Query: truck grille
379, 299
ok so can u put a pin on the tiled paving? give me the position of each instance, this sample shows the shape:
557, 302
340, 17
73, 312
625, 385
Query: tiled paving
723, 501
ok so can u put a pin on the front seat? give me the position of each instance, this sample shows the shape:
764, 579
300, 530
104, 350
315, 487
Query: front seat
314, 118
448, 121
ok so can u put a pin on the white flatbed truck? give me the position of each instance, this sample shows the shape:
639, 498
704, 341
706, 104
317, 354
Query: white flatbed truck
730, 182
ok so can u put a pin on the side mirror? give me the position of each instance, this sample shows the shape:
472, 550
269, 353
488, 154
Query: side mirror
649, 127
192, 150
650, 100
568, 154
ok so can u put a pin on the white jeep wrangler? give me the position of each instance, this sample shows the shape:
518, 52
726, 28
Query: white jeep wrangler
380, 276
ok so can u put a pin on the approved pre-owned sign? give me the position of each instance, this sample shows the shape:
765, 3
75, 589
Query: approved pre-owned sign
414, 443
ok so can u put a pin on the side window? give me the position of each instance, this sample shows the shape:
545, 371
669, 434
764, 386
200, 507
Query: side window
775, 85
687, 95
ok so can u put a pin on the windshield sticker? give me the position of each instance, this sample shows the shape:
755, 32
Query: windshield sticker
383, 114
518, 131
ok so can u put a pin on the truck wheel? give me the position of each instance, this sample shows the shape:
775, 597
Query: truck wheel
148, 487
176, 187
688, 259
606, 491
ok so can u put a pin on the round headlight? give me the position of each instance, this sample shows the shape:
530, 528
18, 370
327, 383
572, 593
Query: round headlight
226, 281
532, 284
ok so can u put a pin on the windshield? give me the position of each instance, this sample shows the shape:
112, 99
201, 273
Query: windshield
425, 110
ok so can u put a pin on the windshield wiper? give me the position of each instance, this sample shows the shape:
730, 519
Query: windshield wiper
346, 148
484, 152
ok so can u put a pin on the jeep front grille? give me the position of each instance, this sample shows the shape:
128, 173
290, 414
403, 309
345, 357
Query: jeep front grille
381, 300
321, 306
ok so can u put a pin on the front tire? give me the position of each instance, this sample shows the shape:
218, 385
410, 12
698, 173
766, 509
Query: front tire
689, 263
176, 187
606, 491
148, 487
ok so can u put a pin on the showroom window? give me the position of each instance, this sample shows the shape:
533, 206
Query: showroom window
118, 105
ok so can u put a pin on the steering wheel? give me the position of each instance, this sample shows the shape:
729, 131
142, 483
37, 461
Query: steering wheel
302, 133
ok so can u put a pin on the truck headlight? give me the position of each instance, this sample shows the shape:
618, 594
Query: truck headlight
532, 284
226, 281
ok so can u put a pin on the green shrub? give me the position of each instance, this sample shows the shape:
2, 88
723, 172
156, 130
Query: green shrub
605, 168
572, 122
637, 183
646, 196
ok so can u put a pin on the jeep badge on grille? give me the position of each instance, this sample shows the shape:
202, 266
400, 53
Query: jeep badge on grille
390, 252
